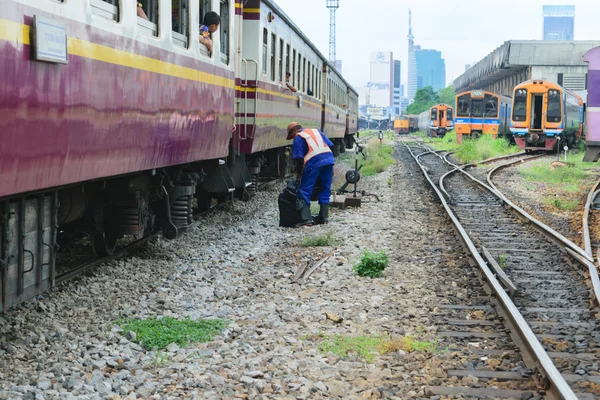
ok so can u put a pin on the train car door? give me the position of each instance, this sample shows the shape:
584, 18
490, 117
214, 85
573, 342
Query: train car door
537, 106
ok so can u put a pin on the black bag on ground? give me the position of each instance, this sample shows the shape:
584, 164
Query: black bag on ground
288, 214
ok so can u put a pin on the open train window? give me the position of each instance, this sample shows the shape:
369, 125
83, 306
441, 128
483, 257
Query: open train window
224, 31
308, 88
304, 75
520, 105
287, 58
265, 50
204, 8
280, 55
149, 26
293, 70
298, 76
180, 22
108, 9
553, 114
273, 50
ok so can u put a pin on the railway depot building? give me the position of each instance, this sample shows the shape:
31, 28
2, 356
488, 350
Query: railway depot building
517, 61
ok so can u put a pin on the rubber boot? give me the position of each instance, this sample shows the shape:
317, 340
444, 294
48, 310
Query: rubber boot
324, 214
305, 217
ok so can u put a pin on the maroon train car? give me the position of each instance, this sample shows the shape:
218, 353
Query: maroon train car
113, 124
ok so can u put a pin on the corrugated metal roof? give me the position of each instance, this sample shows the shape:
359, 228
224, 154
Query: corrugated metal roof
515, 55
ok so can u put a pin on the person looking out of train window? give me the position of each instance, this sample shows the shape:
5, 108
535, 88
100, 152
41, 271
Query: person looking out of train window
212, 20
287, 81
140, 11
314, 161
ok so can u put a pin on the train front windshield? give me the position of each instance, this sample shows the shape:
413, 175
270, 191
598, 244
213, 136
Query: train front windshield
553, 114
491, 106
434, 114
477, 108
449, 114
464, 106
520, 105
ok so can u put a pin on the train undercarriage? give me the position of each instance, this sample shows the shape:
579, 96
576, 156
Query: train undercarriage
34, 226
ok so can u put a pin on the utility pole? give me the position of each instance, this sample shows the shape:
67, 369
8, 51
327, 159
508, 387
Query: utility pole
333, 5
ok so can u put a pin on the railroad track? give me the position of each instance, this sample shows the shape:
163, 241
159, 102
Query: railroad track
134, 246
541, 282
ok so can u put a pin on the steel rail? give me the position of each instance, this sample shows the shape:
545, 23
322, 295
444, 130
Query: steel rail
526, 215
546, 366
587, 242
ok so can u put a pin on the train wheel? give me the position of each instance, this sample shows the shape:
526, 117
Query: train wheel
104, 232
336, 147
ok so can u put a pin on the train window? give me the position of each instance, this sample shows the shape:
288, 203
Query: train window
477, 107
293, 70
314, 83
449, 116
304, 75
108, 9
464, 106
298, 77
491, 106
180, 18
264, 50
434, 114
287, 58
224, 31
280, 55
273, 50
520, 105
149, 26
308, 89
554, 110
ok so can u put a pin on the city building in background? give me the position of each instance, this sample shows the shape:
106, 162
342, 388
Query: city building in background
380, 88
398, 87
559, 22
412, 62
431, 69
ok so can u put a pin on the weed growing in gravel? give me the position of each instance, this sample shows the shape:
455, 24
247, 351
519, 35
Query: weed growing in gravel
372, 264
158, 333
564, 204
379, 157
502, 261
368, 346
318, 241
389, 181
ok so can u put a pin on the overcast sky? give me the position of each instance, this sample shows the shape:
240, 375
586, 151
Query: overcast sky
464, 31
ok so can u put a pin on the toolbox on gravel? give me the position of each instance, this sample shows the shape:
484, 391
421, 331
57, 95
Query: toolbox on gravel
288, 214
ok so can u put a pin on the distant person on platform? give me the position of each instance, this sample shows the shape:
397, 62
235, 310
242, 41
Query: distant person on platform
314, 161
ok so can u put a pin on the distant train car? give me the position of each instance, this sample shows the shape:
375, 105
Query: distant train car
401, 124
438, 120
544, 113
592, 118
413, 123
351, 118
482, 113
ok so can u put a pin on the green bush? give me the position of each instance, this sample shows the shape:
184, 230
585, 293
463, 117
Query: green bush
372, 264
318, 241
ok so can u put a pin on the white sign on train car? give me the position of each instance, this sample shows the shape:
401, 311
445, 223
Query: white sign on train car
49, 40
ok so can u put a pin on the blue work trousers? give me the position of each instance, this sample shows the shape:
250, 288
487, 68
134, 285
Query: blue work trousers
310, 177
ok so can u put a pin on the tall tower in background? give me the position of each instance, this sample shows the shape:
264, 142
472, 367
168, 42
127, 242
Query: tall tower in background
559, 22
412, 61
333, 5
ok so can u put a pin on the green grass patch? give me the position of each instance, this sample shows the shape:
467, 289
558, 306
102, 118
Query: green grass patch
474, 150
318, 241
540, 171
159, 333
562, 204
368, 347
379, 157
372, 264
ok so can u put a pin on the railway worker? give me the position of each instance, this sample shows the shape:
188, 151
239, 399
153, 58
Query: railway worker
212, 20
314, 161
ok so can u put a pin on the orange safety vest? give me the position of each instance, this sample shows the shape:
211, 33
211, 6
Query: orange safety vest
315, 143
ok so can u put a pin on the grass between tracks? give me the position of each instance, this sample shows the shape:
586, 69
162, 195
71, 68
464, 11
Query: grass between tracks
471, 150
369, 346
160, 332
318, 241
377, 156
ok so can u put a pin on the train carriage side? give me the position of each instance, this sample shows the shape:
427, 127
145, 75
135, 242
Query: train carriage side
351, 118
272, 46
413, 123
114, 132
334, 107
423, 120
592, 117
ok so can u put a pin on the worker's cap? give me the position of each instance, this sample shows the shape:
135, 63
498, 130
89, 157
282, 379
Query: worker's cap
290, 128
